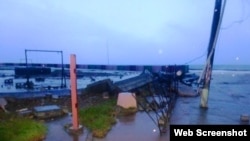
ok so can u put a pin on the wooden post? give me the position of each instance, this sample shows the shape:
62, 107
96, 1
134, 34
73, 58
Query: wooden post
74, 92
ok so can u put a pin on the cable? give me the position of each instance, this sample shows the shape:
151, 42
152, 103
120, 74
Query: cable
241, 20
196, 58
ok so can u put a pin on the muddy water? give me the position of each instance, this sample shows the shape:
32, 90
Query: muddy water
135, 128
131, 128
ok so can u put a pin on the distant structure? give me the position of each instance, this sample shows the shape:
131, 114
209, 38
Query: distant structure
28, 83
152, 68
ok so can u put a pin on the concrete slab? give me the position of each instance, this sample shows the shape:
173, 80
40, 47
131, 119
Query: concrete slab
46, 108
47, 111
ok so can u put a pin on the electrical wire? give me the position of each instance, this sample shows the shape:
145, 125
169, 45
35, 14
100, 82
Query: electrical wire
196, 58
242, 19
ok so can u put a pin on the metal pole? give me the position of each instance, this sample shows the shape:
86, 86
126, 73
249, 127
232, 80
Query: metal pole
62, 77
217, 19
27, 73
63, 72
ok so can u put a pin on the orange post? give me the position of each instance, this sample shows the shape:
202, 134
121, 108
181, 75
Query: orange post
73, 84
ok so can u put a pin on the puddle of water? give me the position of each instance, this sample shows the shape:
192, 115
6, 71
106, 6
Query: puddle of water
130, 128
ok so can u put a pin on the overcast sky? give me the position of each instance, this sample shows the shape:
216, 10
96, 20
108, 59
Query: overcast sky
118, 32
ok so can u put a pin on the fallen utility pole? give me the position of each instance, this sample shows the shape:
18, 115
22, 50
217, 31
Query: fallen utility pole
207, 72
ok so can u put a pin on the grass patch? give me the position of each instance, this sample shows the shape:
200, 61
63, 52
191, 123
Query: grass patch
99, 118
16, 128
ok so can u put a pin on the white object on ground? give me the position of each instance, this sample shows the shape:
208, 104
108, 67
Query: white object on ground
3, 103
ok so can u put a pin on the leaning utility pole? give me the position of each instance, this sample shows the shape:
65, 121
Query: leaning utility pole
206, 75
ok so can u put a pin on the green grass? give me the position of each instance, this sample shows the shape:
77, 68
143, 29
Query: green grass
99, 118
15, 128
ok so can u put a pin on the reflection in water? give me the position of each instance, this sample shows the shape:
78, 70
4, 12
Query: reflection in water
134, 127
202, 118
75, 138
127, 119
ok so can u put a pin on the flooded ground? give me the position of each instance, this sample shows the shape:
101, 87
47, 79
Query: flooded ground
229, 98
130, 128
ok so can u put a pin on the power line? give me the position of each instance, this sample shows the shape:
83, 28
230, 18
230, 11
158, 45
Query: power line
196, 58
242, 19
